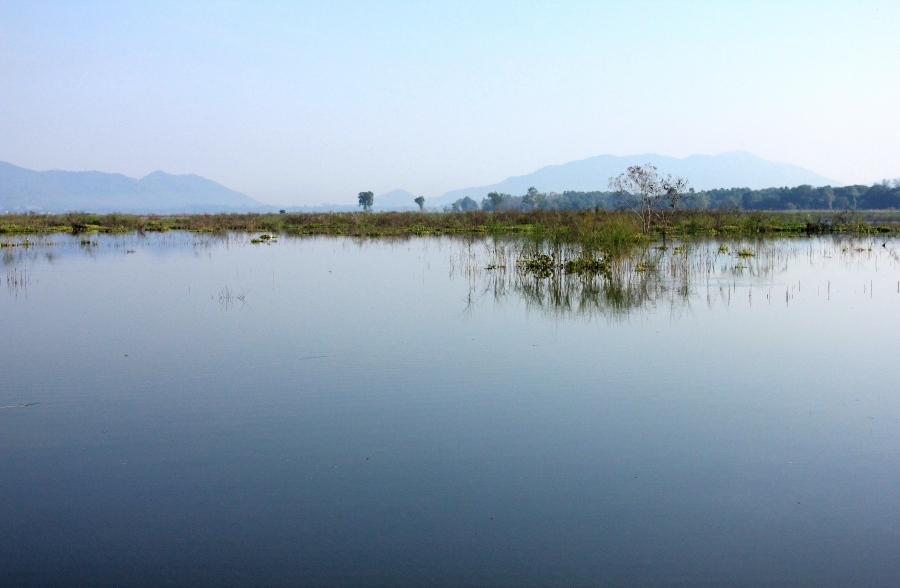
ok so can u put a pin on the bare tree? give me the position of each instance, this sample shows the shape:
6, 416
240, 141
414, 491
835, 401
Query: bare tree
648, 194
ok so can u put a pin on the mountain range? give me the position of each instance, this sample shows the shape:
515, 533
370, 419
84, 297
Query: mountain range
22, 189
734, 169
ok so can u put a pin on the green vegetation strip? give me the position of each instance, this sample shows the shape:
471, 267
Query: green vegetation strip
595, 230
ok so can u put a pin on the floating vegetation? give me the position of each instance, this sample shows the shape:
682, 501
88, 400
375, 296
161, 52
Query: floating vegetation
746, 253
723, 248
87, 243
586, 265
23, 243
543, 266
540, 264
264, 238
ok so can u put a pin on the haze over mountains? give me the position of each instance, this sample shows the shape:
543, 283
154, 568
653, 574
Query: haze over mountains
59, 191
734, 169
22, 190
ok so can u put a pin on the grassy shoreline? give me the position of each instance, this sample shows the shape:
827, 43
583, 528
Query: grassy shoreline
603, 229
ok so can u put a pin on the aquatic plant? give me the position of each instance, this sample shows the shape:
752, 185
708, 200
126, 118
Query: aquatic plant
585, 264
645, 276
264, 238
539, 264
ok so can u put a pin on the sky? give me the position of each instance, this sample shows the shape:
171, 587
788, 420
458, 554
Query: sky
310, 102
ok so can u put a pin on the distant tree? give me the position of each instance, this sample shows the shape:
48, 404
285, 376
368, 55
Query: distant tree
649, 195
421, 202
699, 200
853, 196
366, 200
494, 201
579, 200
828, 196
464, 204
533, 199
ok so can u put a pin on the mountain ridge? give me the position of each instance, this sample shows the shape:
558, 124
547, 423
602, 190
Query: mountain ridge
22, 190
732, 169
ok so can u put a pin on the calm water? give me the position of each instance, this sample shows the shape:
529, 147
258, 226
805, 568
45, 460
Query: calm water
203, 411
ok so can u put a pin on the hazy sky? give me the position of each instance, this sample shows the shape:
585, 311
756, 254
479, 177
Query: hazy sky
303, 103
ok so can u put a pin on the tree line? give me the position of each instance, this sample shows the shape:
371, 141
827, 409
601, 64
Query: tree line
884, 195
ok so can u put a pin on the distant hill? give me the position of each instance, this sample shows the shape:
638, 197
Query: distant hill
727, 170
396, 200
22, 190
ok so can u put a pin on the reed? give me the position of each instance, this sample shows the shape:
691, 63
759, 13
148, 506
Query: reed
611, 232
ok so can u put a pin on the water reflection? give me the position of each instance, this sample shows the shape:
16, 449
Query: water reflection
672, 275
350, 427
31, 249
17, 281
228, 297
665, 275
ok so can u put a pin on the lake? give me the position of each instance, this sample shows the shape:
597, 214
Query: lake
190, 409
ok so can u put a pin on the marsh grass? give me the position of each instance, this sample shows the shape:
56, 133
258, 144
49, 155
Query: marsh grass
676, 276
17, 280
611, 232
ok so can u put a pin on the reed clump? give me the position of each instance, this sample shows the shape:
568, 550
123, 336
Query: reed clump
542, 265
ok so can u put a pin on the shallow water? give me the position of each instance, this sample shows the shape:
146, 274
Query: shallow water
205, 411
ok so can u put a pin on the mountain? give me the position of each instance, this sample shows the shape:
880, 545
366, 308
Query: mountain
396, 200
60, 191
22, 190
734, 169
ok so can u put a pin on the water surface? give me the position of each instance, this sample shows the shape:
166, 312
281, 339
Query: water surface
328, 411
